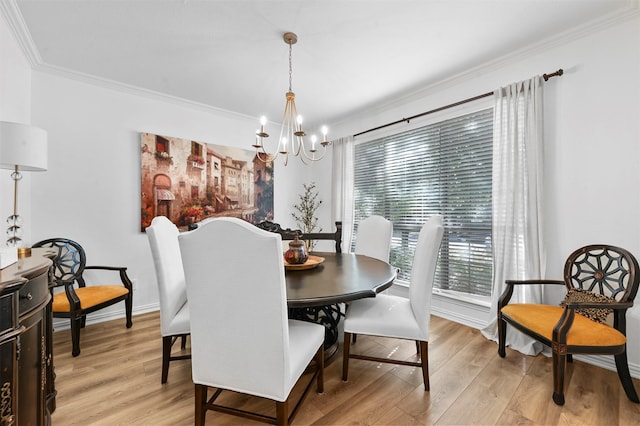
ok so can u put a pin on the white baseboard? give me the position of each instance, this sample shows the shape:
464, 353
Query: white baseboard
608, 363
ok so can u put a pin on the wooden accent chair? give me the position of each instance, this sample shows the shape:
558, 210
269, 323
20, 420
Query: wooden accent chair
79, 299
598, 277
172, 290
373, 237
398, 317
289, 234
241, 338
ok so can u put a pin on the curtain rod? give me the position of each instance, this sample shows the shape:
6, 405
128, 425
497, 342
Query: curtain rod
475, 98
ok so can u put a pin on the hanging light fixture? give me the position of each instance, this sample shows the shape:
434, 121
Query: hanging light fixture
291, 139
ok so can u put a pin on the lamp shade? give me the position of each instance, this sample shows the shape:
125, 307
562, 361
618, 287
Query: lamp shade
24, 146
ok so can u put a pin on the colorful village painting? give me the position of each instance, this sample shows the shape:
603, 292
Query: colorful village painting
188, 181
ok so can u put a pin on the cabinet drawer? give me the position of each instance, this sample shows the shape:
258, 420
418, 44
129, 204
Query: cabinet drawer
34, 293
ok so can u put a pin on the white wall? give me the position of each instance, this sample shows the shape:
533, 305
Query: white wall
15, 79
592, 145
15, 106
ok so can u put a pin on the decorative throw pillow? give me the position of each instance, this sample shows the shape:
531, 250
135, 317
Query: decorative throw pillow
595, 314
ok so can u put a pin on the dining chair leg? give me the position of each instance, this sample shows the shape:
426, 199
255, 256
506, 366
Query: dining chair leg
282, 415
502, 337
76, 324
128, 304
183, 343
559, 366
345, 356
200, 404
625, 377
166, 355
424, 360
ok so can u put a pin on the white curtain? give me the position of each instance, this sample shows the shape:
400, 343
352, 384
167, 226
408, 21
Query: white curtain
342, 188
518, 246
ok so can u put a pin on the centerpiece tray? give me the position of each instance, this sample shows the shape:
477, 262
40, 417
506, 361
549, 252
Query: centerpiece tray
312, 262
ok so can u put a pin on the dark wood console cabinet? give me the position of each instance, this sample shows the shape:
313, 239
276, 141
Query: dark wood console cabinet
27, 390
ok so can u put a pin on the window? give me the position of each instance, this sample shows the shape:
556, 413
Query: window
162, 144
440, 168
196, 148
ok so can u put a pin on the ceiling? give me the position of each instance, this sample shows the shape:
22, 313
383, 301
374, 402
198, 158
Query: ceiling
230, 55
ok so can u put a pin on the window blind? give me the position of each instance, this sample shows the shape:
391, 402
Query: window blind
440, 168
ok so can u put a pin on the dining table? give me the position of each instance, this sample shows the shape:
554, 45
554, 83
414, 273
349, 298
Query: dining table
318, 290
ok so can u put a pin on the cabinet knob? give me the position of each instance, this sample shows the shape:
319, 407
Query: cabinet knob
28, 296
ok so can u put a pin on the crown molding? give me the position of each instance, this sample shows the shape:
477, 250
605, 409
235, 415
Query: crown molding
136, 90
18, 27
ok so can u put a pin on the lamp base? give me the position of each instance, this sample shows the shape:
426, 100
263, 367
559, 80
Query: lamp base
24, 252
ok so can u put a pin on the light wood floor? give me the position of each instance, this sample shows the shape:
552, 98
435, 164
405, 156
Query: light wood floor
116, 381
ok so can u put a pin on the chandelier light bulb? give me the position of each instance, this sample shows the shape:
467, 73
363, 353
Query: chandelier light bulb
313, 143
261, 133
258, 142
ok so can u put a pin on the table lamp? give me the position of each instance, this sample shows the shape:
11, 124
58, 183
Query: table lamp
22, 147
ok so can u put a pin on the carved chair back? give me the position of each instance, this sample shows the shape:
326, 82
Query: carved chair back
69, 263
603, 269
602, 273
290, 234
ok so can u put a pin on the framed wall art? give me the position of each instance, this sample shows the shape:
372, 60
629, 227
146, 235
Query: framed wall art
188, 181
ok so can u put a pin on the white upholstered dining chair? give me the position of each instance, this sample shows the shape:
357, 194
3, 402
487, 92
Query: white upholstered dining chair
373, 237
172, 291
398, 317
241, 337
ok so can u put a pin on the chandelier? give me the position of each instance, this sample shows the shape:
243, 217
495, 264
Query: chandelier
291, 140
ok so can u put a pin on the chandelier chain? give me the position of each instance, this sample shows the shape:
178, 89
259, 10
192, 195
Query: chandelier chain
290, 68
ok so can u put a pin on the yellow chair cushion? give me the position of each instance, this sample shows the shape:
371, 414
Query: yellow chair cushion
89, 296
584, 332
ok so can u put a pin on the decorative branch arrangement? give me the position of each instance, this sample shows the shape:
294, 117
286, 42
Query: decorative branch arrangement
304, 212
